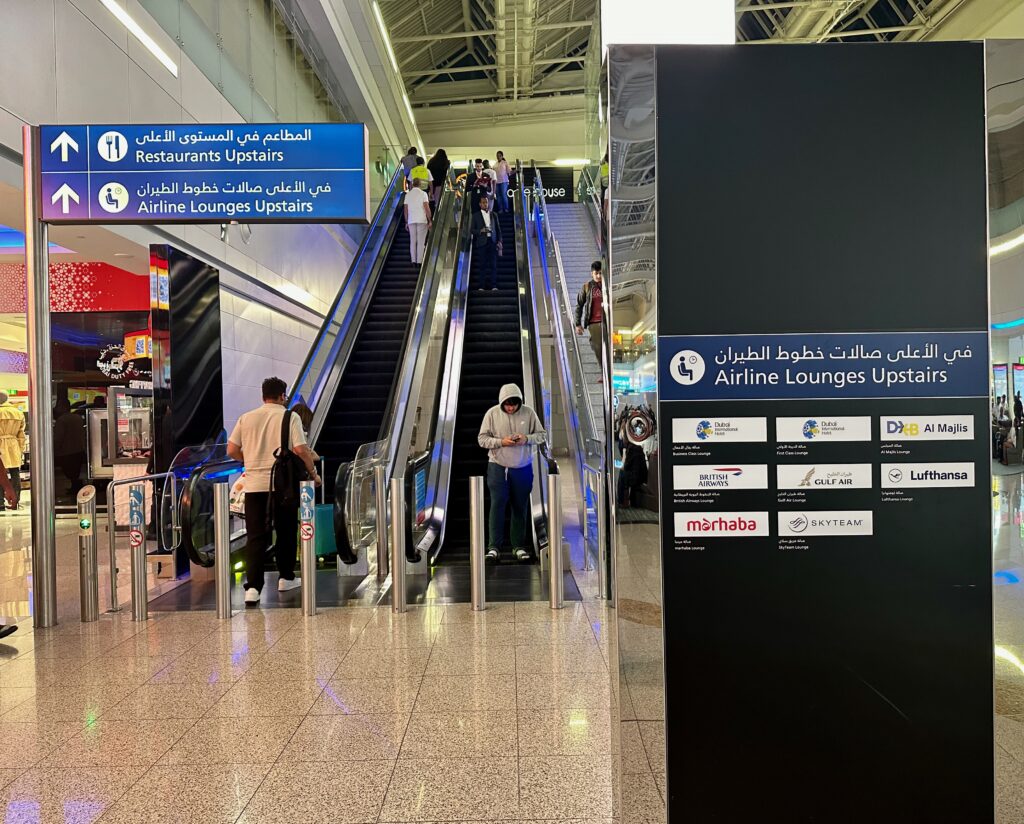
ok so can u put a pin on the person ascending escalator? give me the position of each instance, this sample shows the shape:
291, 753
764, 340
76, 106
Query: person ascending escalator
511, 432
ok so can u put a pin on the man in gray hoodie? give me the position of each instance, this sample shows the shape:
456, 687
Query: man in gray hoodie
510, 432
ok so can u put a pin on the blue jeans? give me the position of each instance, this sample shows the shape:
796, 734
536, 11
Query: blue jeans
509, 486
501, 203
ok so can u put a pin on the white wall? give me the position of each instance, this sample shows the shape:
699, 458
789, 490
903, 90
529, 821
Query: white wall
71, 61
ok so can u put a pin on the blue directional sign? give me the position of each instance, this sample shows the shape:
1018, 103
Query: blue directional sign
210, 173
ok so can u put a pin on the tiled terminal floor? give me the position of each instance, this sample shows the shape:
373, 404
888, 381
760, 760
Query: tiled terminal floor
356, 715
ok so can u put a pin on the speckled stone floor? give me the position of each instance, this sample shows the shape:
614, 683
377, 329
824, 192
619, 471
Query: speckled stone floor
354, 715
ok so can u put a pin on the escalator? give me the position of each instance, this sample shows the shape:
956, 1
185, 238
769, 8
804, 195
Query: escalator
357, 410
491, 357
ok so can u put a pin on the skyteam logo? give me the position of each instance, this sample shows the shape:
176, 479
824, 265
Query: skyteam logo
687, 367
811, 430
705, 430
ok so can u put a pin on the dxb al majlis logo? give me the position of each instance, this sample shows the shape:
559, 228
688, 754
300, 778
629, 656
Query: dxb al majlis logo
705, 430
811, 429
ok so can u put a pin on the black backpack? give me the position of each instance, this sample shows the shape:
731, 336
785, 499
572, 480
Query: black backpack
288, 470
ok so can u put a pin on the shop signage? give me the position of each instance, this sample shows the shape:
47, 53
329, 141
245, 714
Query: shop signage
207, 173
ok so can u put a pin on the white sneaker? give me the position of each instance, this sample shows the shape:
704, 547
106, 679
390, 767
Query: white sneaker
284, 585
252, 595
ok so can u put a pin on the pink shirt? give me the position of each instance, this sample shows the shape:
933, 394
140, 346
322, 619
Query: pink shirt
501, 167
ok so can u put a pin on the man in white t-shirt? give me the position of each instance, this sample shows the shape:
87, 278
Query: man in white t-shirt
253, 441
417, 218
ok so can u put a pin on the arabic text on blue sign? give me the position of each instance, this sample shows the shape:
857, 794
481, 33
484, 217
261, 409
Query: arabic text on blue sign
829, 365
205, 173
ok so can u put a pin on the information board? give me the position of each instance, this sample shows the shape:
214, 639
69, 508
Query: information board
824, 434
208, 173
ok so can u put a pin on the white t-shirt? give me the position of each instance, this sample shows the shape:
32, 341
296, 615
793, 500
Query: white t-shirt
258, 433
416, 199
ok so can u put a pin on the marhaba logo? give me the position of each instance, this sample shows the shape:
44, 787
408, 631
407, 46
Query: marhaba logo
721, 525
811, 429
705, 430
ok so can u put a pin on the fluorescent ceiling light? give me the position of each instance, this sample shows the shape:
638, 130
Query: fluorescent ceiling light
571, 161
129, 23
668, 21
1014, 242
408, 108
384, 34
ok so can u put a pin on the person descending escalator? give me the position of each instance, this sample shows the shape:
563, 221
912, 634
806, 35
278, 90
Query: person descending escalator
485, 231
479, 187
510, 432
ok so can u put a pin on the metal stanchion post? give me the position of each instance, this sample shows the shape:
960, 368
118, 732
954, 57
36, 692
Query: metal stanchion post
477, 538
112, 543
380, 488
88, 565
588, 477
222, 548
137, 540
397, 544
556, 586
40, 389
307, 546
602, 539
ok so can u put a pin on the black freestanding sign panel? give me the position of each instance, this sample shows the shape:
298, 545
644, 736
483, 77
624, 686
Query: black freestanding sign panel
823, 352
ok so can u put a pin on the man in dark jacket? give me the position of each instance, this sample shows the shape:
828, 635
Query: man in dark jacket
486, 232
590, 311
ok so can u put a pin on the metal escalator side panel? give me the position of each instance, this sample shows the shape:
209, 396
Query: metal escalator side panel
533, 365
439, 474
321, 371
394, 418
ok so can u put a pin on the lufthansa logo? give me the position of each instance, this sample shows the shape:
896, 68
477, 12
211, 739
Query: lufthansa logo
687, 367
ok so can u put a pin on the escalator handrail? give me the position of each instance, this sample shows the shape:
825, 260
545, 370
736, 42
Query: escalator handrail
533, 360
450, 379
547, 236
376, 234
397, 415
187, 498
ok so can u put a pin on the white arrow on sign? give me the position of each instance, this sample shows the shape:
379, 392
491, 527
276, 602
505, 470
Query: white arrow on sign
64, 194
64, 141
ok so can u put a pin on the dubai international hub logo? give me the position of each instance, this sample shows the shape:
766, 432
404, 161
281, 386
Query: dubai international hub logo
811, 429
705, 430
687, 367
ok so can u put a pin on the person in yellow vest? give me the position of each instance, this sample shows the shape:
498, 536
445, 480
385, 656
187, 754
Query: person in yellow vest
421, 173
12, 446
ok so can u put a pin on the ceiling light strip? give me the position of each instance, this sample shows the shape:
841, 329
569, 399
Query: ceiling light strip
129, 23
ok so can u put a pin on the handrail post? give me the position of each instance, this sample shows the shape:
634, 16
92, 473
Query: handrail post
88, 567
397, 545
137, 540
602, 537
112, 544
222, 548
380, 488
477, 539
307, 547
588, 477
556, 587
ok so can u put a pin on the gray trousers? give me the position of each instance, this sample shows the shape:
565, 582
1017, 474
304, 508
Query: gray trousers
595, 330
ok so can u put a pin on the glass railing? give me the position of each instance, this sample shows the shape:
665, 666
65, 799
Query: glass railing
588, 191
324, 363
581, 415
416, 386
